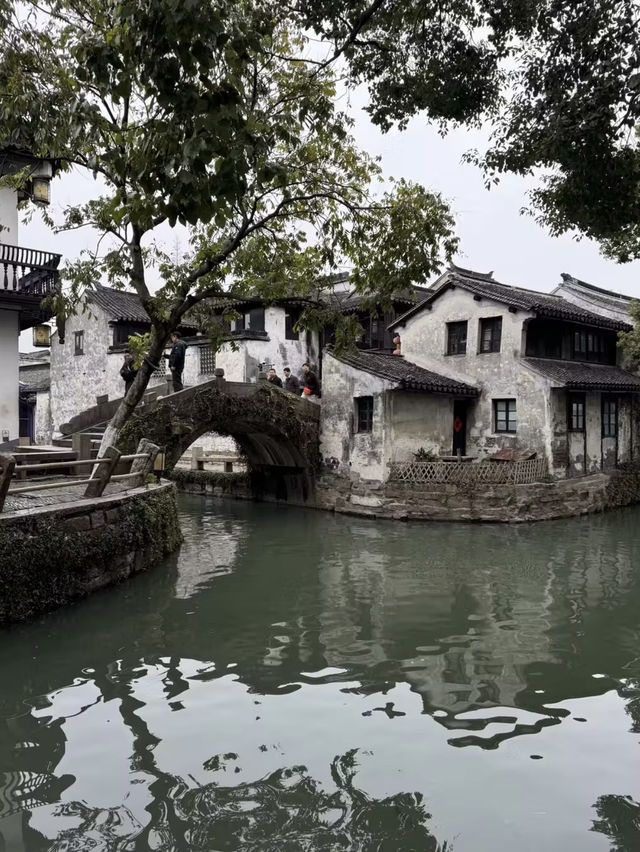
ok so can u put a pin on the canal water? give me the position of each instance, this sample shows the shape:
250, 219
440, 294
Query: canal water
293, 680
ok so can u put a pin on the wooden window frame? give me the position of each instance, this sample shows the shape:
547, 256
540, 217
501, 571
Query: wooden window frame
507, 418
612, 403
453, 342
78, 342
494, 326
291, 317
576, 422
364, 414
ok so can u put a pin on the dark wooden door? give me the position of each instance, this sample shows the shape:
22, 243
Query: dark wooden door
460, 427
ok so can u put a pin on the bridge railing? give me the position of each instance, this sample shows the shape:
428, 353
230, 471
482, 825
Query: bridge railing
103, 472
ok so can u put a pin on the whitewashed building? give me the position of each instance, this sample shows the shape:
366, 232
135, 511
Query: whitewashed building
35, 397
506, 369
27, 275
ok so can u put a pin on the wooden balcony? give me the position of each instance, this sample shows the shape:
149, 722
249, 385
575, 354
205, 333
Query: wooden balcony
27, 276
28, 271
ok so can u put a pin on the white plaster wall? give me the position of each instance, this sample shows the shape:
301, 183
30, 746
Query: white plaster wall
9, 375
499, 375
625, 444
243, 363
8, 216
363, 454
42, 417
76, 380
593, 423
420, 420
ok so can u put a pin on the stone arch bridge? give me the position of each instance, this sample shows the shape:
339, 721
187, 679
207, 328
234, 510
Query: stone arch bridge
277, 432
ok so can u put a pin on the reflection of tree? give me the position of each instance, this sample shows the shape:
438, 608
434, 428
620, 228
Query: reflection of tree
287, 810
619, 819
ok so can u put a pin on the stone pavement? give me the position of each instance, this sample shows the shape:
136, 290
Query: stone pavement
67, 493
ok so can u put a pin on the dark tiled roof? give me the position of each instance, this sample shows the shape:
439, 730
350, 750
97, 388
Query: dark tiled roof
569, 280
542, 304
35, 379
41, 356
350, 301
123, 306
119, 304
575, 375
406, 375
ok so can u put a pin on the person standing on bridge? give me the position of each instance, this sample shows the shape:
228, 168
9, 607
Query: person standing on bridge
311, 385
274, 378
291, 383
176, 360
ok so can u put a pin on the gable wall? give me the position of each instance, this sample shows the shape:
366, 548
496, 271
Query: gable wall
499, 375
242, 363
348, 452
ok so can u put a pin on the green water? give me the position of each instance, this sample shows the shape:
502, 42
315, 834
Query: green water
297, 681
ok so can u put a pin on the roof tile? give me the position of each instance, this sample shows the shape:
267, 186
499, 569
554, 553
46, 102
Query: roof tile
405, 374
542, 304
576, 375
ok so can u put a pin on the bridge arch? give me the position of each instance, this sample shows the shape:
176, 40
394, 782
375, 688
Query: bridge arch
277, 433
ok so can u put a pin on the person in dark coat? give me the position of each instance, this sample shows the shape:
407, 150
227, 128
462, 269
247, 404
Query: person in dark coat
274, 378
291, 383
128, 371
176, 360
311, 385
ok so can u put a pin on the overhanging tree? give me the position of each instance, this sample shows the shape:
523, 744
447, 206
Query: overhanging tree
557, 81
213, 116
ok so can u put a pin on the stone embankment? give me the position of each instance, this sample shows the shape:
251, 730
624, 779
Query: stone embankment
53, 554
537, 501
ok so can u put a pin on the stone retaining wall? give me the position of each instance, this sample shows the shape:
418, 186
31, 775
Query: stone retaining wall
236, 485
503, 503
55, 554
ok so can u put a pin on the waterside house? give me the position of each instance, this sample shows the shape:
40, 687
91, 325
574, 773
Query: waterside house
486, 369
27, 276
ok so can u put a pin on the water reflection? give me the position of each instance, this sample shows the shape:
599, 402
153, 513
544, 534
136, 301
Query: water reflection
295, 678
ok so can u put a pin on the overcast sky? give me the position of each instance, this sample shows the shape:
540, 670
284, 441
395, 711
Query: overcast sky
494, 236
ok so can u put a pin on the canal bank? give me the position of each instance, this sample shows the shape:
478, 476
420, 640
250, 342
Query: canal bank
445, 501
54, 554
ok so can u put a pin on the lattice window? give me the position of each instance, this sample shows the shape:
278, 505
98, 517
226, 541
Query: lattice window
207, 360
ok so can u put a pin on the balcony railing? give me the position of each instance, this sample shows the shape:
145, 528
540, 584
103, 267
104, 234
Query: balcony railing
27, 271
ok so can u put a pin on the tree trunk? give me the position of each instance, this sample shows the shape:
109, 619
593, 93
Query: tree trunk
136, 392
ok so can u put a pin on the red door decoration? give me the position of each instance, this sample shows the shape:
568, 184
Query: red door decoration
457, 424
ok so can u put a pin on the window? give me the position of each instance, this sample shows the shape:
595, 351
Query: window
457, 338
504, 411
207, 360
576, 412
78, 342
589, 346
364, 411
490, 334
290, 320
251, 320
609, 417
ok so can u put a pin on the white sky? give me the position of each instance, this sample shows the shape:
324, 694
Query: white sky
494, 236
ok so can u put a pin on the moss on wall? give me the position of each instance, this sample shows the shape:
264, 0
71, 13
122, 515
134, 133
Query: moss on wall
214, 479
50, 558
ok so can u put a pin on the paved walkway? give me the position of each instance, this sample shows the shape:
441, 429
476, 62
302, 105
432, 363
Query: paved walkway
67, 493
